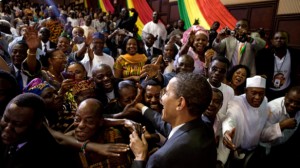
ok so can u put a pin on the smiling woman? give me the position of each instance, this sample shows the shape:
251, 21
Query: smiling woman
236, 78
130, 64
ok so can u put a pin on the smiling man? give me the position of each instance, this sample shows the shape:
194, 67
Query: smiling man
24, 141
88, 127
216, 74
282, 129
190, 141
245, 119
279, 63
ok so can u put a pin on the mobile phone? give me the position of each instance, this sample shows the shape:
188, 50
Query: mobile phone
68, 75
139, 129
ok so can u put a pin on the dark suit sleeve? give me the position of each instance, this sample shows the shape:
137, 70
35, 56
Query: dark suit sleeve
160, 125
138, 164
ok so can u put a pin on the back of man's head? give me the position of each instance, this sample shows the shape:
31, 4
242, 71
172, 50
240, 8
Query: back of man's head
196, 91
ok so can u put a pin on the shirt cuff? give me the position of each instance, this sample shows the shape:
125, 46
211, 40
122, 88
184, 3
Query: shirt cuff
144, 109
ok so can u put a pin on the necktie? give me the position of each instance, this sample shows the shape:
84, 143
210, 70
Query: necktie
19, 79
242, 49
149, 52
45, 48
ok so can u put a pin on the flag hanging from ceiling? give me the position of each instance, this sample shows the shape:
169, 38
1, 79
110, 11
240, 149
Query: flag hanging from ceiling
206, 12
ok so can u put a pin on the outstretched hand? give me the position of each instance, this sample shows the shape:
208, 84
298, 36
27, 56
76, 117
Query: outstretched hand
227, 139
110, 149
151, 70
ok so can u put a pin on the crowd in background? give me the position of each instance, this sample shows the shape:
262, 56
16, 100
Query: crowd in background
81, 88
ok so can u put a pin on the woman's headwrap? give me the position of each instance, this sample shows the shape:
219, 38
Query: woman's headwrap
197, 29
36, 86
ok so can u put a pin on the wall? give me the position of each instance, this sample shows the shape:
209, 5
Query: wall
272, 15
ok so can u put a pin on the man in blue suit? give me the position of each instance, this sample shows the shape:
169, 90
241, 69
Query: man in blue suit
190, 141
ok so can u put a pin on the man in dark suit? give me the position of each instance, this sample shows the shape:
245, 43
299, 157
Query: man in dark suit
25, 142
25, 66
127, 22
190, 141
150, 51
280, 64
46, 44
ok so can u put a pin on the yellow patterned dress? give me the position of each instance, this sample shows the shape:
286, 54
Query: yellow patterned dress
130, 65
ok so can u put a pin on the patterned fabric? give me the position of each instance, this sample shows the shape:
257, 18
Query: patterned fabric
93, 160
131, 65
56, 28
65, 120
83, 85
36, 86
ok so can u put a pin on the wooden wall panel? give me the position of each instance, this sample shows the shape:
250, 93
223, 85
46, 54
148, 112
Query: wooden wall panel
174, 13
258, 14
290, 24
239, 13
164, 6
262, 17
155, 5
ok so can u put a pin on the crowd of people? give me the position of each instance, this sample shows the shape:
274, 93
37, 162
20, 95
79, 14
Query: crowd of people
80, 88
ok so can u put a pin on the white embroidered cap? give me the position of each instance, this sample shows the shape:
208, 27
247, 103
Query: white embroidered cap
256, 81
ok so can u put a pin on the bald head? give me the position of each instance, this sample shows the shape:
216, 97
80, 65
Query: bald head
92, 106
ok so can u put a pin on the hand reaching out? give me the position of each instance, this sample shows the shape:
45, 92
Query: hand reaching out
227, 139
151, 70
138, 146
108, 149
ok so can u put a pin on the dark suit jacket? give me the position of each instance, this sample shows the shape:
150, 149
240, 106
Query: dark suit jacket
265, 66
25, 70
192, 145
155, 53
128, 23
52, 45
40, 151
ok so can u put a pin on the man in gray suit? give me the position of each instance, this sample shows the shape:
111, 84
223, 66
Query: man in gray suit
239, 48
190, 141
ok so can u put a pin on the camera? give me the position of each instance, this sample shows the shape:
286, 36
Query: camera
78, 39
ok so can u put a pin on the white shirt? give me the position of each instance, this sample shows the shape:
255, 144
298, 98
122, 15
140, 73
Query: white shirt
228, 94
282, 66
157, 29
104, 59
247, 120
272, 132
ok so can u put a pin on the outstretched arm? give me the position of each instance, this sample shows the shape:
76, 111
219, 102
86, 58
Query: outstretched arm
102, 149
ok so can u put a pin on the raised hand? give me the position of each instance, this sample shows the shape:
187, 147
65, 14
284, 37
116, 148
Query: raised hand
227, 139
89, 39
208, 55
31, 37
191, 37
151, 70
66, 85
